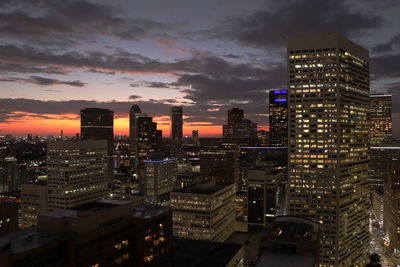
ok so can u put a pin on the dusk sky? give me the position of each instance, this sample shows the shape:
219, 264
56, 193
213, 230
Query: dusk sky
57, 57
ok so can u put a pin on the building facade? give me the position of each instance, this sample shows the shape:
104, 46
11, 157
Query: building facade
103, 233
381, 118
391, 207
77, 172
159, 179
204, 211
278, 117
264, 195
35, 200
176, 132
328, 106
98, 124
133, 136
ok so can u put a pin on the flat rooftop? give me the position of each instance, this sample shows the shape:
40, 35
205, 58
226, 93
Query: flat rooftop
188, 252
269, 258
148, 210
25, 240
90, 208
203, 188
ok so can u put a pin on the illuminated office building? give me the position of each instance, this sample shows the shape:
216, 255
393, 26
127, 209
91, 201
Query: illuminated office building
98, 124
253, 157
176, 132
384, 157
204, 211
132, 136
77, 172
328, 146
278, 117
381, 118
159, 179
149, 140
35, 200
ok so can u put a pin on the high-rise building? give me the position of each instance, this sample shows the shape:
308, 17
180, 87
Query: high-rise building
235, 115
218, 159
264, 195
240, 130
195, 137
391, 207
278, 117
381, 118
254, 157
176, 132
384, 157
149, 140
10, 179
328, 146
35, 200
159, 179
77, 172
98, 124
133, 136
204, 211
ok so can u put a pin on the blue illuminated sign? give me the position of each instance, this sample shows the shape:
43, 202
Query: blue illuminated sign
280, 100
280, 92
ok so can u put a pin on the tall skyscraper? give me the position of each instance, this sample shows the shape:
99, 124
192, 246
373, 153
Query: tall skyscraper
235, 115
240, 130
10, 175
176, 132
132, 136
149, 139
381, 118
77, 172
278, 117
328, 98
98, 124
195, 137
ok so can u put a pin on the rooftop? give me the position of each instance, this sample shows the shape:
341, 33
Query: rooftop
207, 188
148, 210
188, 252
24, 240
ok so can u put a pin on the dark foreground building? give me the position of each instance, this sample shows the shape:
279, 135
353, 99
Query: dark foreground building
102, 233
290, 242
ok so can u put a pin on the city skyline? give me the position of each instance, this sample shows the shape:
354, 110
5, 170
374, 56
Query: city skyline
56, 59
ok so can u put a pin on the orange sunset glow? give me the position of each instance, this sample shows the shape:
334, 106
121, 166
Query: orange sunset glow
46, 124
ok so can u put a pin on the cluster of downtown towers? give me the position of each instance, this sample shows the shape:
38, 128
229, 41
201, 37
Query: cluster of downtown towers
323, 119
328, 134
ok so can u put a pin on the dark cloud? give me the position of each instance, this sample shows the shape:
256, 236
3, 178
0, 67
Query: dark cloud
385, 66
123, 61
269, 27
134, 97
66, 23
44, 81
387, 47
